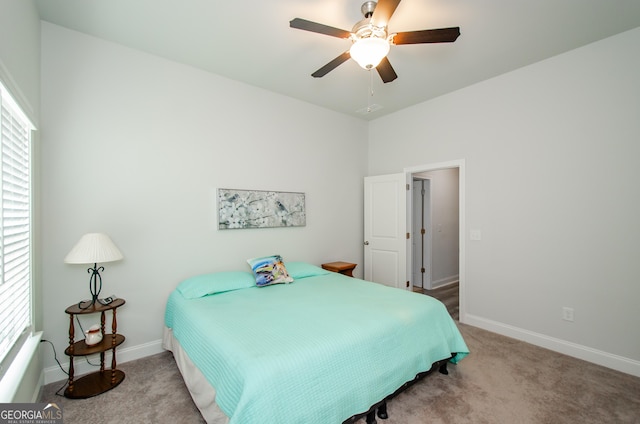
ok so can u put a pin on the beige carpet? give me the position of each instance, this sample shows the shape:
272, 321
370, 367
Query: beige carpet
501, 381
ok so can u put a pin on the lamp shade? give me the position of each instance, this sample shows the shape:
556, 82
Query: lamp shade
368, 52
93, 248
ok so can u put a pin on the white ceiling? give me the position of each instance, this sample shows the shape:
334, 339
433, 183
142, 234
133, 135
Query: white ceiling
251, 41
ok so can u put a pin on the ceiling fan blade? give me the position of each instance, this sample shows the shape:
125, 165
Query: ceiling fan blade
332, 65
319, 28
442, 35
386, 70
383, 12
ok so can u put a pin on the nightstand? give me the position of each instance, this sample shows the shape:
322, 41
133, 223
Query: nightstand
345, 268
101, 381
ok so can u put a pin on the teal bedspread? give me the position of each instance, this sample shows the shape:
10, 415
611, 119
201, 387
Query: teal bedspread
315, 351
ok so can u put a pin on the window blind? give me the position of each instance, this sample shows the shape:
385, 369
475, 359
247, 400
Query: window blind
15, 223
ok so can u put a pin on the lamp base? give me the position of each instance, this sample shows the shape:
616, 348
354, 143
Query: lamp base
95, 286
86, 304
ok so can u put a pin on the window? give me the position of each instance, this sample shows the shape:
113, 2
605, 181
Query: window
15, 223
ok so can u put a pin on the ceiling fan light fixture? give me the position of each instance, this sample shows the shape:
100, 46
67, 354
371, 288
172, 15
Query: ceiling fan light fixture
371, 40
368, 52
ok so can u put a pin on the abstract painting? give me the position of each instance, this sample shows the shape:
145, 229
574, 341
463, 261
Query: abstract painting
260, 209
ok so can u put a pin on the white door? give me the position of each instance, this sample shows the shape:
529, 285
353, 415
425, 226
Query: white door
385, 230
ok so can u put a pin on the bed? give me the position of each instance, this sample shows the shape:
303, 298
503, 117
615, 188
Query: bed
324, 348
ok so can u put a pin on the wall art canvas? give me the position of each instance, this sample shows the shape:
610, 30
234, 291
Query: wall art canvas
260, 209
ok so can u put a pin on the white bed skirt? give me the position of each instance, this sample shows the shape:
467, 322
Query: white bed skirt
203, 394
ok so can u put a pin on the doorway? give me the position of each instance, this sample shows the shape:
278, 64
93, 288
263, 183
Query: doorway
435, 215
388, 220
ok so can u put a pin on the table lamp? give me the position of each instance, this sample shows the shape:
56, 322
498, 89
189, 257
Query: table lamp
93, 248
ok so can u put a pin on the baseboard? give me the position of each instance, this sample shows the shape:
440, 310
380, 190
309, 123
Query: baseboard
605, 359
444, 282
449, 282
54, 373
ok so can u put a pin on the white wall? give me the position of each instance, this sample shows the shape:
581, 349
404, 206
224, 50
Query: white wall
135, 146
20, 53
551, 153
20, 74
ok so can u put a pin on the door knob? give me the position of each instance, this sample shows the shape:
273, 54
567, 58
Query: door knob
366, 243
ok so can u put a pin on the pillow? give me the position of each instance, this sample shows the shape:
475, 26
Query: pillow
269, 270
218, 282
303, 269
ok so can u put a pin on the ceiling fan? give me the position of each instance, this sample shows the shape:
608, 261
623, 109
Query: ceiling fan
371, 39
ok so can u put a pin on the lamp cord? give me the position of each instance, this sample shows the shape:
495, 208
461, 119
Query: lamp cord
82, 330
55, 356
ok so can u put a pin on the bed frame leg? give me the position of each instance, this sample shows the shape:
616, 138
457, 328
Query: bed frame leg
382, 411
371, 417
443, 369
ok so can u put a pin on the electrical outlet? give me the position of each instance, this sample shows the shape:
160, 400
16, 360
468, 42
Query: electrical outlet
567, 314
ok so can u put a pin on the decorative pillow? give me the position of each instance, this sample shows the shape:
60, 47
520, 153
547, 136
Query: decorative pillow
217, 282
269, 270
303, 269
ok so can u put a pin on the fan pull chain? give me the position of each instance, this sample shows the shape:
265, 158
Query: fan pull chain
370, 93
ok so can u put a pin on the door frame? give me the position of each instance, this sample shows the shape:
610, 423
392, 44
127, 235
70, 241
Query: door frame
460, 164
426, 251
